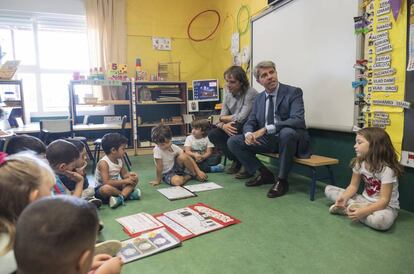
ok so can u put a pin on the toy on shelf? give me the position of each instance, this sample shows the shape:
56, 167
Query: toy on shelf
117, 71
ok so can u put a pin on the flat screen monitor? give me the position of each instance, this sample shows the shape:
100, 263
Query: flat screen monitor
206, 90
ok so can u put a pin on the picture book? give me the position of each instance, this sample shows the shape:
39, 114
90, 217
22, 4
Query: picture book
147, 244
184, 223
176, 193
203, 187
138, 223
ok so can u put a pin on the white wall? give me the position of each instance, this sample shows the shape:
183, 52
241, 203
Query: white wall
74, 7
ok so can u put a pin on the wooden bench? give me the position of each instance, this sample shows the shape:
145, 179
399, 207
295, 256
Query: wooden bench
313, 162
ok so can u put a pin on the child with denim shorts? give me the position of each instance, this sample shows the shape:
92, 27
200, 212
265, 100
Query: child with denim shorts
173, 166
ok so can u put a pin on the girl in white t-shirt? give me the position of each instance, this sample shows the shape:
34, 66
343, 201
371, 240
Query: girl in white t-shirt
198, 146
376, 164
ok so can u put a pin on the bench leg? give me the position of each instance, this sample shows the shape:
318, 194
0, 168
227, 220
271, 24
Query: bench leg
331, 175
313, 184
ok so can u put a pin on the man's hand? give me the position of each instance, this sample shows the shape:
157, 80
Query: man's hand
251, 139
230, 128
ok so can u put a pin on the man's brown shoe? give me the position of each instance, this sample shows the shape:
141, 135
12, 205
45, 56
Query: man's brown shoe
234, 168
260, 180
243, 174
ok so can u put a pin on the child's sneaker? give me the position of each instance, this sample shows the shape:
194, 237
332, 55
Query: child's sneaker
116, 201
337, 210
135, 195
110, 247
96, 202
217, 168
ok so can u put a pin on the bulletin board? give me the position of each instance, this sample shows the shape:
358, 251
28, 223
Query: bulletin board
314, 47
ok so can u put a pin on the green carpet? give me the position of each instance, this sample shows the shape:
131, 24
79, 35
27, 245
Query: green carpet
290, 234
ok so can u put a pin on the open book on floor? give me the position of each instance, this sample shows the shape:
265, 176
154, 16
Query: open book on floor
184, 223
176, 193
144, 245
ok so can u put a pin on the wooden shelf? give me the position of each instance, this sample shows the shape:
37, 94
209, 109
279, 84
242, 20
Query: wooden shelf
107, 102
161, 103
156, 124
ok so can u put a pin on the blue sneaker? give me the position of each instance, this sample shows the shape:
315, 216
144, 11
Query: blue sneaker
116, 201
135, 195
217, 168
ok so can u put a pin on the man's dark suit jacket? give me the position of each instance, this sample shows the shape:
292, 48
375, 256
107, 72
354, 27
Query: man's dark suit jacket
289, 112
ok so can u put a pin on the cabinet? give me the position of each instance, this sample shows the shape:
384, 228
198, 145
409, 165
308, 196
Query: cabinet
12, 97
160, 102
85, 94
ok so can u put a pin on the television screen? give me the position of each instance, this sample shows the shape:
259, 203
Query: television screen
206, 90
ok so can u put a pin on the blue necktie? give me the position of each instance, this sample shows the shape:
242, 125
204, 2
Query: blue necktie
270, 111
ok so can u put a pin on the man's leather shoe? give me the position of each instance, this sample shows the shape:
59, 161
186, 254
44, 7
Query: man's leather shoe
278, 189
260, 180
234, 168
243, 174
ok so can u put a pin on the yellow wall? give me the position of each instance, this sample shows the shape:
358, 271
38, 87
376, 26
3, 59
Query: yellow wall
207, 59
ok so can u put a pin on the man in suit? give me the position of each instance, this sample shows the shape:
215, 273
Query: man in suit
276, 124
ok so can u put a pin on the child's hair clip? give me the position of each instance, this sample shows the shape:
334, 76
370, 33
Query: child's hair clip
3, 156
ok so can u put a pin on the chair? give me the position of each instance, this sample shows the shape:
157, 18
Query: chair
51, 130
98, 146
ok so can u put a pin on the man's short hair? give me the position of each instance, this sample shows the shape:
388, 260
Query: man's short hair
52, 233
61, 152
202, 124
261, 65
19, 143
113, 140
161, 134
240, 75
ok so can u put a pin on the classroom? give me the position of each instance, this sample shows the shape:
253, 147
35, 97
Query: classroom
219, 136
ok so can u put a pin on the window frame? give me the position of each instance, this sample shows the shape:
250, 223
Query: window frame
14, 21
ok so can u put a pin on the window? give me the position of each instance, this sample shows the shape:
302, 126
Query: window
50, 49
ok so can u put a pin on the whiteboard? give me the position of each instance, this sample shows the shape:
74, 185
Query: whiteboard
314, 47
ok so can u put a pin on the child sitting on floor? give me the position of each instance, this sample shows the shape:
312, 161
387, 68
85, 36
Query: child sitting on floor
24, 178
199, 147
88, 192
25, 142
376, 164
173, 166
114, 184
63, 157
57, 235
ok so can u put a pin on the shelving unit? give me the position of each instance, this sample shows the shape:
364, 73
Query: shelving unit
121, 107
15, 86
158, 102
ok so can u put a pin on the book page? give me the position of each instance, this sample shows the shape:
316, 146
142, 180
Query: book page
139, 222
175, 193
147, 244
203, 187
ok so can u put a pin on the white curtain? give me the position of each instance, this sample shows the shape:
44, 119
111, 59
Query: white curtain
106, 36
